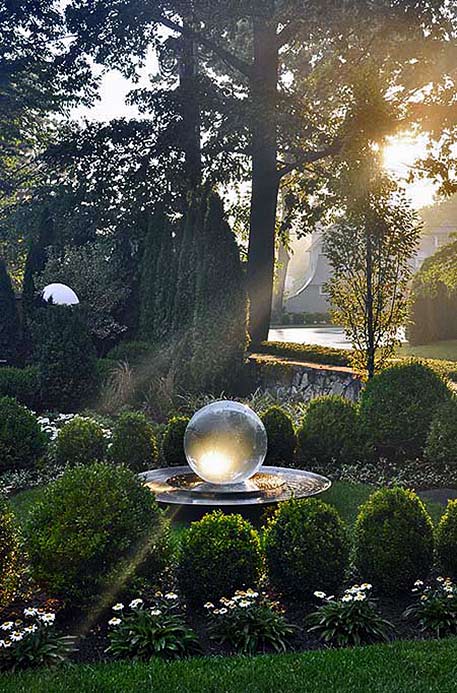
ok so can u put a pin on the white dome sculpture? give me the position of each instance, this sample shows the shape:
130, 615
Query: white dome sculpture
60, 295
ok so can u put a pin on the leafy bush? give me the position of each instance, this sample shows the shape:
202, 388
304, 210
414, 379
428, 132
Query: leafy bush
93, 525
132, 353
328, 431
397, 407
22, 443
441, 445
393, 540
435, 608
81, 441
249, 622
9, 547
219, 554
352, 620
306, 547
33, 642
173, 441
312, 353
134, 443
280, 434
22, 384
446, 540
159, 631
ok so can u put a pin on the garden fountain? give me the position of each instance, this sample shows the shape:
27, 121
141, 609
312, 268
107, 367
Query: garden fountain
225, 445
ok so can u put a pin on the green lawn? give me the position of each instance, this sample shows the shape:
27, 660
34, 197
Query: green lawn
402, 667
445, 350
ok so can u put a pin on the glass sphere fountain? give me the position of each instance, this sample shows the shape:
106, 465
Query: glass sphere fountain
225, 445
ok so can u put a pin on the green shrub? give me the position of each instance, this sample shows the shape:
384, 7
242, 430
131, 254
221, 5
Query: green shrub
393, 540
219, 554
22, 384
131, 352
441, 445
329, 431
81, 441
22, 443
133, 442
95, 527
280, 434
9, 549
397, 407
306, 548
173, 441
312, 353
446, 540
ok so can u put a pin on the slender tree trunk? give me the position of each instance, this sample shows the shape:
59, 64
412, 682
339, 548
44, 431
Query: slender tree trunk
189, 87
369, 308
281, 275
265, 180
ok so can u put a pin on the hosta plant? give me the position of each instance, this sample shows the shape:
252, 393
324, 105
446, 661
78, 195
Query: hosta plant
351, 620
435, 607
249, 622
141, 632
33, 642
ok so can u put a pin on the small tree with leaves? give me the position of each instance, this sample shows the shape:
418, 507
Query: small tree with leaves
369, 252
10, 330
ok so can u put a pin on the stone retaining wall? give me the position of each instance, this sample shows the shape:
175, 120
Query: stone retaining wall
298, 381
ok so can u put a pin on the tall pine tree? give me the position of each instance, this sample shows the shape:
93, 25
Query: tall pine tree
10, 331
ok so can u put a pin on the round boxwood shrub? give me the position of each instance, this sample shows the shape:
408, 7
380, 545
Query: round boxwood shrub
446, 540
328, 431
95, 526
393, 540
9, 552
133, 442
441, 445
22, 442
306, 548
173, 441
281, 435
219, 554
397, 407
81, 441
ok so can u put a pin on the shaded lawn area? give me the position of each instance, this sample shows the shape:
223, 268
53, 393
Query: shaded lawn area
445, 350
345, 496
399, 667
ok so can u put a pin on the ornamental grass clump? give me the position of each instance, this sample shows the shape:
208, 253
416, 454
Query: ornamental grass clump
393, 540
435, 607
249, 622
159, 630
446, 540
306, 546
353, 619
33, 641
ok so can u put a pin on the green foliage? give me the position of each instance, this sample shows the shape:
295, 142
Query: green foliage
219, 554
441, 445
312, 353
393, 540
22, 443
219, 337
435, 608
249, 623
306, 548
81, 441
133, 443
95, 527
33, 643
66, 358
10, 332
158, 631
173, 441
350, 621
280, 434
397, 407
189, 243
134, 353
9, 554
446, 540
329, 431
20, 383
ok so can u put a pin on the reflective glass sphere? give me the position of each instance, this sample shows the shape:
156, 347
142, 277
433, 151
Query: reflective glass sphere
225, 443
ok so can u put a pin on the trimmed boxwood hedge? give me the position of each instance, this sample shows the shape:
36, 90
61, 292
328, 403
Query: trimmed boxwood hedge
280, 434
441, 445
446, 540
134, 443
173, 441
22, 442
81, 441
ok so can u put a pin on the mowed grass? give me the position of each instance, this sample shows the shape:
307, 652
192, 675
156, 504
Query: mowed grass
445, 350
401, 667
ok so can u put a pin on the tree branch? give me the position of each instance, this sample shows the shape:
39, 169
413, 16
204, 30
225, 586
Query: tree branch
287, 33
309, 158
225, 55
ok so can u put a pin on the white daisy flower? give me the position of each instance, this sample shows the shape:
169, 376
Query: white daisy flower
347, 598
16, 636
223, 610
7, 625
171, 596
155, 612
208, 605
118, 607
114, 621
319, 595
135, 603
48, 618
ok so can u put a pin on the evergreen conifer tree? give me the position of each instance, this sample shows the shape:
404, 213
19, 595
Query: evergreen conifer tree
36, 260
10, 331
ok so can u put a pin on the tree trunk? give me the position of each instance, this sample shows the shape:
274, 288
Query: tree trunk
278, 294
191, 124
265, 180
371, 349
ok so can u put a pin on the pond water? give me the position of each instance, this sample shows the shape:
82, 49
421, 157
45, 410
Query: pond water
324, 336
